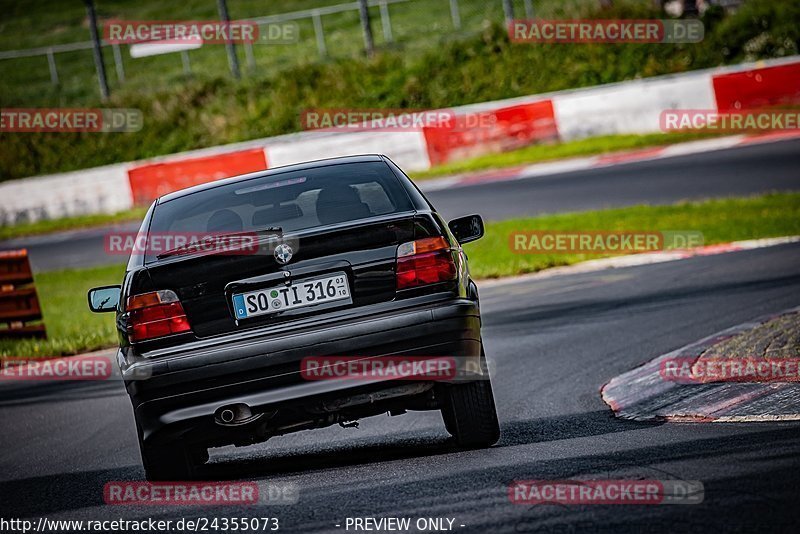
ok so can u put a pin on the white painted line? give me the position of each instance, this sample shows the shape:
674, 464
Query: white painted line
559, 167
439, 183
702, 145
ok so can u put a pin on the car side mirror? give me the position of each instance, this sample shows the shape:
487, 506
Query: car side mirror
467, 228
104, 299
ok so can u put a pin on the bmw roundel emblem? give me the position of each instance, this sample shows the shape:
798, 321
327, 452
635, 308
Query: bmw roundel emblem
283, 253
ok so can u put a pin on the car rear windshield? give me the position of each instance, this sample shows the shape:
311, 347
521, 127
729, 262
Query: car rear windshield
292, 201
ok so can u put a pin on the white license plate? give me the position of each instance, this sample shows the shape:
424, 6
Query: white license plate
301, 293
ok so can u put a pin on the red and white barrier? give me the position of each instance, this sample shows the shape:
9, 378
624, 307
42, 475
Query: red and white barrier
632, 107
151, 180
97, 190
491, 130
406, 148
777, 85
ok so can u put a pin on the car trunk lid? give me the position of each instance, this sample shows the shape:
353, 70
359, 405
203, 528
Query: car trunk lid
363, 251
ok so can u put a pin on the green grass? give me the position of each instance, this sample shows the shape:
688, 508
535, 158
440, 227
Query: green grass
71, 223
719, 220
72, 328
548, 152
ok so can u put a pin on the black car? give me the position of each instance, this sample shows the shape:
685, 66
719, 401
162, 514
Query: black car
351, 260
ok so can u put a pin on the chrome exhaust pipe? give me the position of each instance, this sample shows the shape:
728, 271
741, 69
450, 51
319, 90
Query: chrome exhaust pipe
235, 414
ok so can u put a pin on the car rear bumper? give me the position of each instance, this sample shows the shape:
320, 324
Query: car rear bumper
180, 389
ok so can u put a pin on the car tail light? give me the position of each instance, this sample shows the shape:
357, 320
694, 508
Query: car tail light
424, 261
156, 314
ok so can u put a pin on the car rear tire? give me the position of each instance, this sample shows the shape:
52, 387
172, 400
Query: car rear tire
470, 415
169, 463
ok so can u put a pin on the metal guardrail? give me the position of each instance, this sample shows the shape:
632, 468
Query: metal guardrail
54, 49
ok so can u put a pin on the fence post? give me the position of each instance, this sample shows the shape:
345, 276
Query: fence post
118, 63
187, 65
455, 15
98, 53
363, 12
51, 62
248, 53
233, 61
508, 11
386, 22
319, 32
529, 9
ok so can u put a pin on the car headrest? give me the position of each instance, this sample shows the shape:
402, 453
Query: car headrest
224, 221
275, 214
340, 203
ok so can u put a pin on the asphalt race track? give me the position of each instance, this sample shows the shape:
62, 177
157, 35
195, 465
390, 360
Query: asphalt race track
738, 171
553, 341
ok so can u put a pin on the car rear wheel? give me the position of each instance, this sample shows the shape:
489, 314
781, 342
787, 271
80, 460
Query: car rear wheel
470, 415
